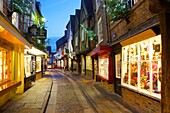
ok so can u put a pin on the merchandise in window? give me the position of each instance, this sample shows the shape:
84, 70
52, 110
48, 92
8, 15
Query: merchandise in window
118, 65
27, 65
88, 63
103, 67
38, 63
141, 66
3, 66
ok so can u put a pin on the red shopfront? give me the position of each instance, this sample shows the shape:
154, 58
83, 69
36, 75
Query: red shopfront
104, 63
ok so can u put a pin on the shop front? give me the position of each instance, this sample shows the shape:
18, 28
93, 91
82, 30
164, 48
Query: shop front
142, 71
34, 60
105, 71
30, 70
12, 45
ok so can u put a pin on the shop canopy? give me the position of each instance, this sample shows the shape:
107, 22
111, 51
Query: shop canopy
35, 51
100, 50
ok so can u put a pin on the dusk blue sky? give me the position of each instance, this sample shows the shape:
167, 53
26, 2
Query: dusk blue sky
57, 14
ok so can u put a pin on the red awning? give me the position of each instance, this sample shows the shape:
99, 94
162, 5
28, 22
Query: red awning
100, 50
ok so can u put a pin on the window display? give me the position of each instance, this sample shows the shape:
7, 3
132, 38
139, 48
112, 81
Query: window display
27, 65
118, 65
38, 63
88, 63
3, 66
104, 67
141, 66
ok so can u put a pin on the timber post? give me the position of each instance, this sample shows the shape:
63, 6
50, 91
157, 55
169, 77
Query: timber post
162, 8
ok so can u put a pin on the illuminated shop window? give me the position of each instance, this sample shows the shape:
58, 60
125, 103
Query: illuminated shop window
38, 63
88, 63
27, 65
141, 66
104, 67
118, 65
3, 66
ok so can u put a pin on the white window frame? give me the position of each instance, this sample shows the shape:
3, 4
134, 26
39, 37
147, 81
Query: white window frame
38, 63
126, 59
133, 2
27, 65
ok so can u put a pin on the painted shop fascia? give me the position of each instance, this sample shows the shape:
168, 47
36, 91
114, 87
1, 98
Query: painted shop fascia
12, 45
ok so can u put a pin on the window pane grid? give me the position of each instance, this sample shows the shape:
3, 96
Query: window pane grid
141, 66
3, 66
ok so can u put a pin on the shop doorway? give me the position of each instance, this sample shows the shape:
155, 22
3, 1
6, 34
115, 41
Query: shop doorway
118, 74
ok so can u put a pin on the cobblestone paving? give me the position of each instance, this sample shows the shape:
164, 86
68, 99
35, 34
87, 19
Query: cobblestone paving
67, 101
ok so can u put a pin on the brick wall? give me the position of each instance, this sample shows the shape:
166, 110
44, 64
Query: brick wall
139, 14
141, 102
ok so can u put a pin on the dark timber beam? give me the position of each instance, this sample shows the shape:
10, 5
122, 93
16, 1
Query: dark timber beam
162, 8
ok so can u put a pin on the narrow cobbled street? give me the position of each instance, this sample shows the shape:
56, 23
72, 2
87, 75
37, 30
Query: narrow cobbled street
65, 92
65, 96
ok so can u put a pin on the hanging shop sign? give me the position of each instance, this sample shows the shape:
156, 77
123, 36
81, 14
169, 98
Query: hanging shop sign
41, 33
33, 30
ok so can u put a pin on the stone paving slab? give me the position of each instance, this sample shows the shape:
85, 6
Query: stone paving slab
31, 101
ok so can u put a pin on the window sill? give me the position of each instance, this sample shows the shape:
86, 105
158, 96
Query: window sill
134, 89
8, 86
